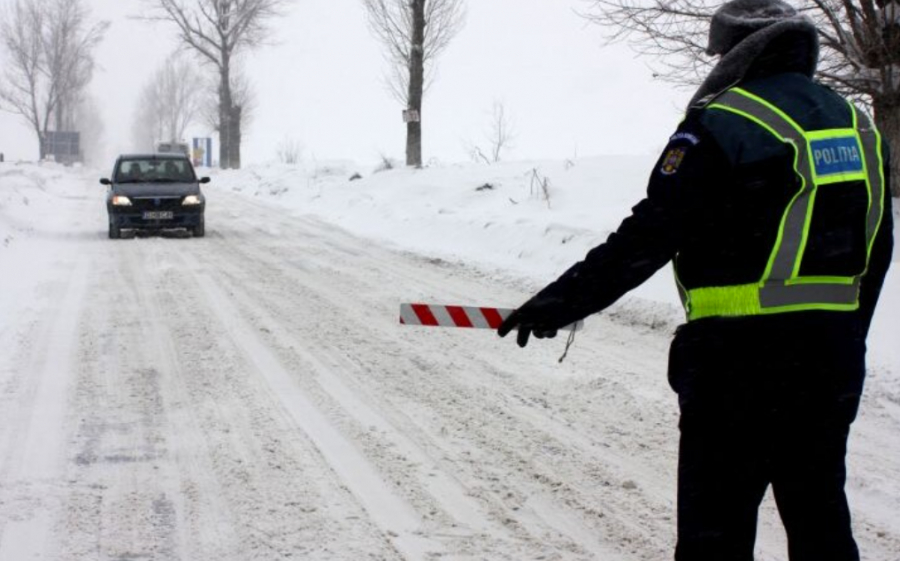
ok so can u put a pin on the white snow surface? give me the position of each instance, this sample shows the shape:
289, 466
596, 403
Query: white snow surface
251, 395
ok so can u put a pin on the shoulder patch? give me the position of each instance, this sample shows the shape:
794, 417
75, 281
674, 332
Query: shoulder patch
685, 136
672, 160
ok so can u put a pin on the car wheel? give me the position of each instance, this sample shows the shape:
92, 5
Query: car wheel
114, 232
200, 229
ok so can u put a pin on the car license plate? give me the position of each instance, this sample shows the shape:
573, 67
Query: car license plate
158, 215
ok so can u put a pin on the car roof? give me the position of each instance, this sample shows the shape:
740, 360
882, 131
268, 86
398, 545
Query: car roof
154, 156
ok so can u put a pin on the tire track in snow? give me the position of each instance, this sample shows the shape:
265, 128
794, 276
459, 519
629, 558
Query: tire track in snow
124, 501
283, 498
397, 518
34, 471
450, 494
203, 521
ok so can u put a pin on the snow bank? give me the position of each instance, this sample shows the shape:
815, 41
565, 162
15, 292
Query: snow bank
21, 188
29, 195
499, 216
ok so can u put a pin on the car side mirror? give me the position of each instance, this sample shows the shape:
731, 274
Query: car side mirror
204, 180
105, 181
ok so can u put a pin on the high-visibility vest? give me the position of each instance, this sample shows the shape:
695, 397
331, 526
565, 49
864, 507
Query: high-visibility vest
821, 158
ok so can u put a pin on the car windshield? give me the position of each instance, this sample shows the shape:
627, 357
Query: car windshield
165, 170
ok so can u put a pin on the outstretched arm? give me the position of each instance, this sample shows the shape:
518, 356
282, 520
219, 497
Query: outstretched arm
642, 244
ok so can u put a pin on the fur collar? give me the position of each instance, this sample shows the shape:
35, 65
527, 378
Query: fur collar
733, 66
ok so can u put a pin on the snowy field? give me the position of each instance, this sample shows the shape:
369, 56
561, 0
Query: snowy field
250, 395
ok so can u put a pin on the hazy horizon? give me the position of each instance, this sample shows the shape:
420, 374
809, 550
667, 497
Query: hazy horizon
320, 83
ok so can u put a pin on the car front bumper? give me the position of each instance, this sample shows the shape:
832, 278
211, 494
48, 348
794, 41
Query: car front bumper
129, 219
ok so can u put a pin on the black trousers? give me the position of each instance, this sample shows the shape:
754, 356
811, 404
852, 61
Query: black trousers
766, 401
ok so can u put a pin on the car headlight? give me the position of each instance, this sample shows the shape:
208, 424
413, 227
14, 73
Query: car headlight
121, 200
191, 200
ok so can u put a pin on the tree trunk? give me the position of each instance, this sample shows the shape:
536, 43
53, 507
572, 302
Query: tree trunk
234, 154
225, 111
416, 85
887, 119
44, 129
59, 117
229, 121
42, 145
62, 114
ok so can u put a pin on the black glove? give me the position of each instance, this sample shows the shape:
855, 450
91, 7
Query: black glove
543, 315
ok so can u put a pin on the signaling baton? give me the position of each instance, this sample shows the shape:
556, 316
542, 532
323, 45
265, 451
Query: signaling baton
438, 315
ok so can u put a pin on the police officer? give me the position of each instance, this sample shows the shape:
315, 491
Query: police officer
772, 201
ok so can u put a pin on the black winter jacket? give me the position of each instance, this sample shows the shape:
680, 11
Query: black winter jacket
714, 202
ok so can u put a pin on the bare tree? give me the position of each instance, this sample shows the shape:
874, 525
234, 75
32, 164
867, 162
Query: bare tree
244, 98
499, 137
50, 46
86, 119
69, 54
501, 134
148, 128
860, 47
289, 151
21, 29
169, 102
414, 33
218, 31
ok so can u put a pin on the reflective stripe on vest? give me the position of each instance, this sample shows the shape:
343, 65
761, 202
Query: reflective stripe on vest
820, 158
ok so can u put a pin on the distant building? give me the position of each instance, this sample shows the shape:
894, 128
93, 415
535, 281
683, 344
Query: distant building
62, 146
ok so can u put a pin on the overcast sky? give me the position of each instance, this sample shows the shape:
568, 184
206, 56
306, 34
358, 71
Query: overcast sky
321, 83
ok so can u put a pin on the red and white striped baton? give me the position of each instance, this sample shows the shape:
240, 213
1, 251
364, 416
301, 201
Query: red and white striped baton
436, 315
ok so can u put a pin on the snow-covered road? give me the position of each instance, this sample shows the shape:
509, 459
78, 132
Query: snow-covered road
250, 395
